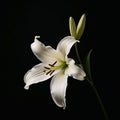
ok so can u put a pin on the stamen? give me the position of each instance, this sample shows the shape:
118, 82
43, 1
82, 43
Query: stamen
48, 72
52, 65
47, 68
52, 72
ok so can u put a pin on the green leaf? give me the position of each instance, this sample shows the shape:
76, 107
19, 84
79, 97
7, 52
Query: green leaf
87, 65
80, 27
72, 27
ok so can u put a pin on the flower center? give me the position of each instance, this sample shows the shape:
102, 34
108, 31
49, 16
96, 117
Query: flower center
51, 67
64, 65
49, 70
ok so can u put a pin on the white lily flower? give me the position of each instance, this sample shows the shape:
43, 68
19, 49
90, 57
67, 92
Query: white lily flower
54, 63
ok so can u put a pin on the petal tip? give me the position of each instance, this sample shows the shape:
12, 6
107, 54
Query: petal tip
37, 37
64, 106
35, 45
84, 74
26, 87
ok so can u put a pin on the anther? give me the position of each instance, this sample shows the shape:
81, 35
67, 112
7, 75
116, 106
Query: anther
52, 72
49, 72
52, 65
47, 68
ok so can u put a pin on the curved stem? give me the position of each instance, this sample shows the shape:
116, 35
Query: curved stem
99, 99
92, 85
77, 53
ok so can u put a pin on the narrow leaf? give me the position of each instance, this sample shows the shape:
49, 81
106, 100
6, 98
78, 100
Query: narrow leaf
87, 65
72, 27
80, 27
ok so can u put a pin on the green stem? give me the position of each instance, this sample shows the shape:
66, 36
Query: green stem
93, 87
77, 53
99, 99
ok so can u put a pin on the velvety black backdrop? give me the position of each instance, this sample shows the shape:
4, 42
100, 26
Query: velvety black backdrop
49, 19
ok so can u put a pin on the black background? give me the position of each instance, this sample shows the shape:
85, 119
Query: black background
49, 19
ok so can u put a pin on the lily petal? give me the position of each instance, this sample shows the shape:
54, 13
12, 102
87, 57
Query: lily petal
65, 45
79, 74
35, 75
74, 71
44, 53
58, 89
